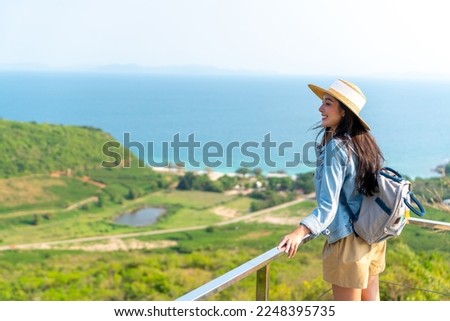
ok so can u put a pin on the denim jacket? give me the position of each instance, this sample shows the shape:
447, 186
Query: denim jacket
336, 193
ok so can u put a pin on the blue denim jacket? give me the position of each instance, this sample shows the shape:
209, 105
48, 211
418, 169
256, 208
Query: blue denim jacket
336, 193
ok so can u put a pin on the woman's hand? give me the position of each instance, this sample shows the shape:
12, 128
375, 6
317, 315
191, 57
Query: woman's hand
289, 244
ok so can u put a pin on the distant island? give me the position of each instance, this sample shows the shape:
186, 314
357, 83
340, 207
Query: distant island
199, 70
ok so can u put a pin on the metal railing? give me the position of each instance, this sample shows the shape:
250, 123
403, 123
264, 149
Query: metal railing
261, 264
437, 225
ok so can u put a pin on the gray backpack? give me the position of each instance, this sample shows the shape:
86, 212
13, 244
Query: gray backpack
385, 214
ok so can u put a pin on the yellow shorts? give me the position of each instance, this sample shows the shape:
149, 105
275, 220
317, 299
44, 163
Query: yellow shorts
350, 261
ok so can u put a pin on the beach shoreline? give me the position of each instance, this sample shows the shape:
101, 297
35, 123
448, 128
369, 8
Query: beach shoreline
214, 175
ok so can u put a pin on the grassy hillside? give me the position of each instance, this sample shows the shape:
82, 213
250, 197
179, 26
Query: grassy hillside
51, 177
29, 148
42, 192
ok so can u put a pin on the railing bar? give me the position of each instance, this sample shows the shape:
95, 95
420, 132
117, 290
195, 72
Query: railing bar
234, 275
231, 277
429, 223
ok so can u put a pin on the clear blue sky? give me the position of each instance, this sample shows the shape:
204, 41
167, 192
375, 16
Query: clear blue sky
345, 37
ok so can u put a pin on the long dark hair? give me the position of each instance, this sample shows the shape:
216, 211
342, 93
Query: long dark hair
369, 156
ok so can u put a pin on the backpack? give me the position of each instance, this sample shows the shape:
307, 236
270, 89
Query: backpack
385, 214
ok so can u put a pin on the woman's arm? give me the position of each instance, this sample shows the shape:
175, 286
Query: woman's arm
335, 163
329, 188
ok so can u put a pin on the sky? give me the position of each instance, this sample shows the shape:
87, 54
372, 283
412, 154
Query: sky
320, 37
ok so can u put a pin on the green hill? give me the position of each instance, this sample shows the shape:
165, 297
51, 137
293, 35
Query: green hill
30, 148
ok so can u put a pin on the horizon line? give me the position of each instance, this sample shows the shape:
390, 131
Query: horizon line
200, 70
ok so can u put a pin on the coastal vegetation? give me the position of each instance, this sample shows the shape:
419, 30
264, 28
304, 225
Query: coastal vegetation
59, 239
31, 148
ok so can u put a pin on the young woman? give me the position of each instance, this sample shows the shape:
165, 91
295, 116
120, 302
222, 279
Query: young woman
347, 161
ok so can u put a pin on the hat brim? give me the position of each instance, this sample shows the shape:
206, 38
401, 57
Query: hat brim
319, 91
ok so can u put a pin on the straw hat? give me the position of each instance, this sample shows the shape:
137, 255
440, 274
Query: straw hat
347, 93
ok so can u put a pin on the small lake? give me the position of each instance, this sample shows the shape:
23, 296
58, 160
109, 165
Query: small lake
142, 217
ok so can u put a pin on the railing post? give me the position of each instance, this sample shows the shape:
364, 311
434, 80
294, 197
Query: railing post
262, 284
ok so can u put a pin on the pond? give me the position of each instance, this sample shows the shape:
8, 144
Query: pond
142, 217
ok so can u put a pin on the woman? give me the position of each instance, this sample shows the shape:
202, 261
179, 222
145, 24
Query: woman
348, 158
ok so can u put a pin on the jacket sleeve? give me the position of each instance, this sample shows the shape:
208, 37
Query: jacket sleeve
328, 189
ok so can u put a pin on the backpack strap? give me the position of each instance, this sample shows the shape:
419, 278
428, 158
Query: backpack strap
421, 211
395, 177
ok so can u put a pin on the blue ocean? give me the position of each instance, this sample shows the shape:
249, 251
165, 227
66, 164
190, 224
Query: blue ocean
227, 122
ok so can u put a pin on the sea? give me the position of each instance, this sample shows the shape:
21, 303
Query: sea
224, 122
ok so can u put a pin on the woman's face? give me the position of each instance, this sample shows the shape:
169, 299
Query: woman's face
331, 112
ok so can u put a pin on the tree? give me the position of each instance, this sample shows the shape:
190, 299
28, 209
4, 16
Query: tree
228, 182
257, 171
280, 183
186, 182
305, 181
242, 171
